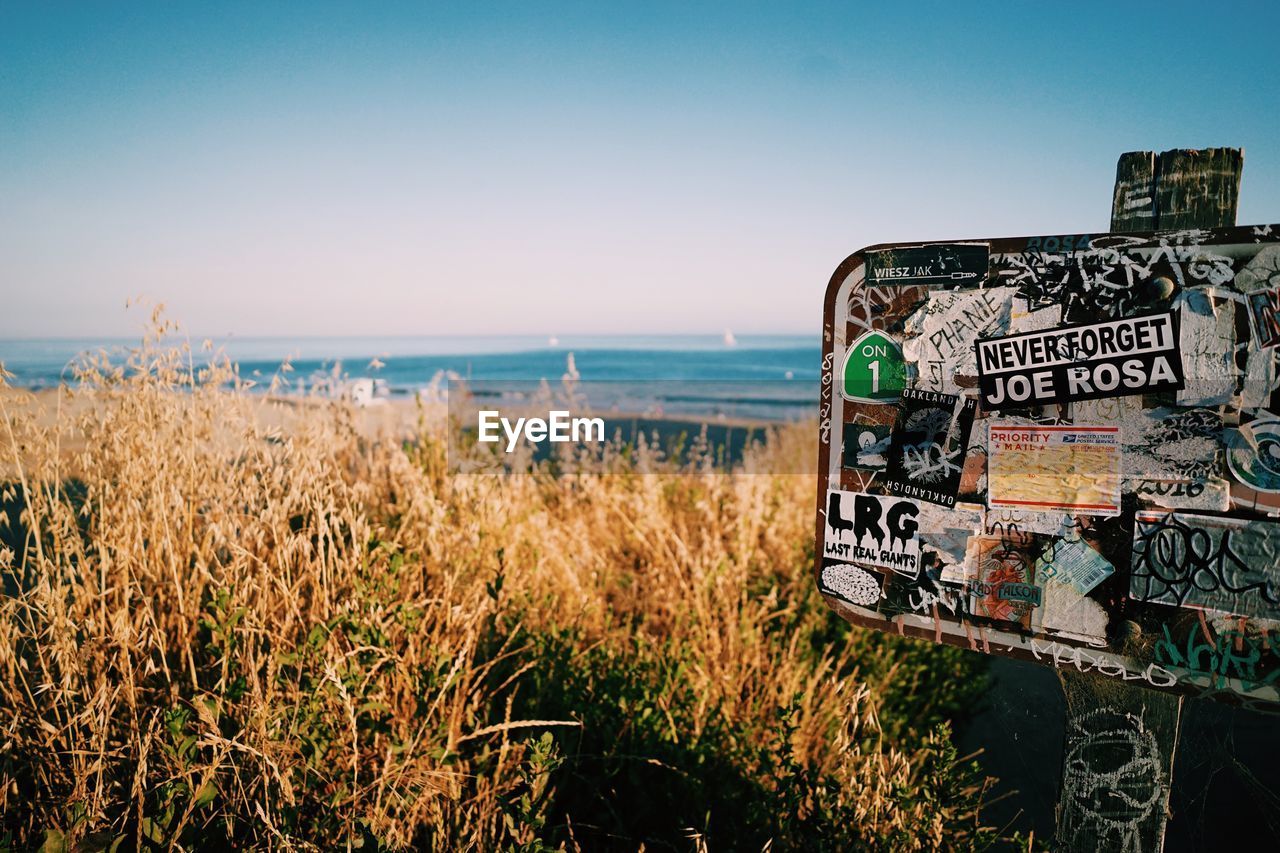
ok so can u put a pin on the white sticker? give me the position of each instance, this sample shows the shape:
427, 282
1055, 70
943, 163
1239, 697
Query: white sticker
852, 583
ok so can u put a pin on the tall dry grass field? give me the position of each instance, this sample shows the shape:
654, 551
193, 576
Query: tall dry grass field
228, 620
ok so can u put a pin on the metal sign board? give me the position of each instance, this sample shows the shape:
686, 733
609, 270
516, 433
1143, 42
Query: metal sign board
1063, 449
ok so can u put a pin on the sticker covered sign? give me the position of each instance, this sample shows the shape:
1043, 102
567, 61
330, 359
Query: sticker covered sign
1064, 449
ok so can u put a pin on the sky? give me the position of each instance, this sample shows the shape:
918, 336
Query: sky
593, 168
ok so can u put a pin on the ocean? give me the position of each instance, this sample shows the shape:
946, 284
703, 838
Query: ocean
773, 377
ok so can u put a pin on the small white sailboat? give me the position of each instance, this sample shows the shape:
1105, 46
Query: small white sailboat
729, 339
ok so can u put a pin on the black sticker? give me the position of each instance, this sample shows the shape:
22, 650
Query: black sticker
1136, 355
928, 447
940, 265
866, 446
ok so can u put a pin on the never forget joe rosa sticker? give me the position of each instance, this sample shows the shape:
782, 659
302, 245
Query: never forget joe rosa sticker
1135, 355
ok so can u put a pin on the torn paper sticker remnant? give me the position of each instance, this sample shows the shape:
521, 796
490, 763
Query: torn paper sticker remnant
946, 533
1207, 336
1260, 282
1065, 613
1074, 563
942, 333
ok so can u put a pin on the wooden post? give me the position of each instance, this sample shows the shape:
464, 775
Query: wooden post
1120, 741
1177, 189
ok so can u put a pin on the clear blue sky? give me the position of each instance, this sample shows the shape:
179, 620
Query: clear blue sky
496, 168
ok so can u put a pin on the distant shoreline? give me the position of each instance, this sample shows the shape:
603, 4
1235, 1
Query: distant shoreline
772, 378
47, 399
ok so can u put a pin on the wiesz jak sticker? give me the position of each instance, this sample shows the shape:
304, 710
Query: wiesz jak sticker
873, 530
1136, 355
943, 264
874, 370
927, 450
1072, 469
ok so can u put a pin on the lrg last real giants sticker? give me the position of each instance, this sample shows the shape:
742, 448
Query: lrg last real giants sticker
873, 530
1069, 469
1136, 355
928, 446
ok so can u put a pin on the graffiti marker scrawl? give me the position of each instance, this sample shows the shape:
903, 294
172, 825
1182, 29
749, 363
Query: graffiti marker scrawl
1223, 564
1136, 355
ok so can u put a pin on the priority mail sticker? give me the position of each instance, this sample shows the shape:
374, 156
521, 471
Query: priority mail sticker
1136, 355
1071, 469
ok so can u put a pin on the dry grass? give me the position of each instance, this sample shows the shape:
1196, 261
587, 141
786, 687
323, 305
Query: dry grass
218, 632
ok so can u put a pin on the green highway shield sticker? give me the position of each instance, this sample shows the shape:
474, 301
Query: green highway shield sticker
940, 265
874, 370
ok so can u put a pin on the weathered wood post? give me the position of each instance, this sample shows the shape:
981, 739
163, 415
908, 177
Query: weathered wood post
1120, 740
